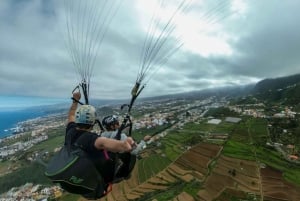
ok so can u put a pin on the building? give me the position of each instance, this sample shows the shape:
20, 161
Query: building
232, 119
214, 121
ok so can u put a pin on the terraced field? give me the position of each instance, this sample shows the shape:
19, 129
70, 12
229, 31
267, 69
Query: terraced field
198, 158
240, 175
207, 171
228, 179
190, 165
275, 188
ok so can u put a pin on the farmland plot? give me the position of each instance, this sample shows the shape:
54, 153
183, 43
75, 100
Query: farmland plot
275, 188
237, 174
174, 173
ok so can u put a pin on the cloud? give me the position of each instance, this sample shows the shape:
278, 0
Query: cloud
268, 46
230, 43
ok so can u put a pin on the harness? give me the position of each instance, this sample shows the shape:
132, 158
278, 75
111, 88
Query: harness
72, 168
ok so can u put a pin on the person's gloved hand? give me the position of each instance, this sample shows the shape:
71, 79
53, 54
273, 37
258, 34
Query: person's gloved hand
77, 95
128, 144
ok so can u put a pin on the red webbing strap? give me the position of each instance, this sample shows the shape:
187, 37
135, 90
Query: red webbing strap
105, 154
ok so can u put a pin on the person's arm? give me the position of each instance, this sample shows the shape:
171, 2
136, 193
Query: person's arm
114, 145
72, 110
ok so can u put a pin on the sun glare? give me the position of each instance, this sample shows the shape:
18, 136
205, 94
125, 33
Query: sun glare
198, 35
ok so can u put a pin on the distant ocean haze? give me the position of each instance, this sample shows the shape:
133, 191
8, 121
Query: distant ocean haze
9, 103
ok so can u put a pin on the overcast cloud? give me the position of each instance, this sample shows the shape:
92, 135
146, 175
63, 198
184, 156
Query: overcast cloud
242, 43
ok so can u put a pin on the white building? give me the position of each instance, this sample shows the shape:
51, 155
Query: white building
214, 121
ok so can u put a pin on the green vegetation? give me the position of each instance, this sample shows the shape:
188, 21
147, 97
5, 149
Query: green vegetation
172, 151
49, 145
69, 197
244, 101
236, 149
29, 173
220, 112
5, 165
297, 107
284, 90
248, 142
204, 127
174, 143
291, 172
240, 133
232, 195
174, 190
24, 169
277, 83
167, 194
151, 165
140, 133
285, 130
258, 132
192, 187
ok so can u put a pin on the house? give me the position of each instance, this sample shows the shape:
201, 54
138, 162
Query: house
293, 157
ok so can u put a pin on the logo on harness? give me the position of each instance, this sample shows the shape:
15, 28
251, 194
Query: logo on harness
75, 180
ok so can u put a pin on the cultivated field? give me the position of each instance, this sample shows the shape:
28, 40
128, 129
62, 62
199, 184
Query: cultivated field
275, 188
190, 165
223, 178
198, 158
211, 172
236, 174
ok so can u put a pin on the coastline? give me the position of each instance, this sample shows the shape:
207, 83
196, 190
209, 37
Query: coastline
23, 127
11, 121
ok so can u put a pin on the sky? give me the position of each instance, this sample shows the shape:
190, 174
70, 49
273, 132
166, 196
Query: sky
224, 43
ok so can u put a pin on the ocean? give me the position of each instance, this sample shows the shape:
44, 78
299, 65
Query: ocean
9, 119
15, 109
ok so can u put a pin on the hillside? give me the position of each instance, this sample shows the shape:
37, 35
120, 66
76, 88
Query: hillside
206, 93
276, 83
284, 90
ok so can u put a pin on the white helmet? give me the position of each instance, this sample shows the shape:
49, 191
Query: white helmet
86, 114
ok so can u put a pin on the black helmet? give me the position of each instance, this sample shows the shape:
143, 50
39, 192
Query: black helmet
110, 120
